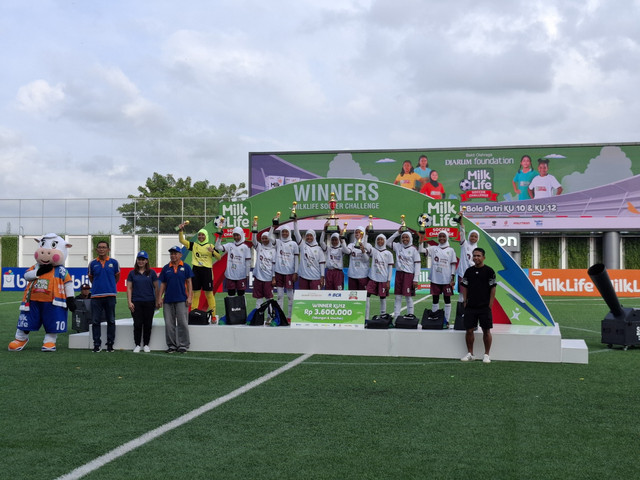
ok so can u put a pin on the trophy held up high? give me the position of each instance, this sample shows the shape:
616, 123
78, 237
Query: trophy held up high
219, 222
403, 225
294, 214
333, 220
276, 219
254, 226
370, 226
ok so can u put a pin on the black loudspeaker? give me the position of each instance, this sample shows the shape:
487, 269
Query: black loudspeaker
621, 326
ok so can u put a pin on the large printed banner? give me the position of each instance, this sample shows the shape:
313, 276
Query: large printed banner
578, 186
13, 278
565, 283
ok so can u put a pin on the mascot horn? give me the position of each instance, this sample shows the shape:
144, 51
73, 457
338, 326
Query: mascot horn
48, 295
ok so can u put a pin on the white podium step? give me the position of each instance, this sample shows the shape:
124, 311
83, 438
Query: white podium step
510, 342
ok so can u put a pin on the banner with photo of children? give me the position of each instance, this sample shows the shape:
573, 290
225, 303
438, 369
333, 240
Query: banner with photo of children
523, 188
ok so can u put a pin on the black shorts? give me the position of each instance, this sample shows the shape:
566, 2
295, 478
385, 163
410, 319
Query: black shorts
202, 279
473, 316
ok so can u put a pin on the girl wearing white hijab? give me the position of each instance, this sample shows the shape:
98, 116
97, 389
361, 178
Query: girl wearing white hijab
263, 269
238, 262
442, 274
466, 255
312, 260
407, 270
379, 273
334, 254
285, 266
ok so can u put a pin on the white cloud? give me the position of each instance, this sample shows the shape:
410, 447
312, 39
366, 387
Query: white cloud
38, 97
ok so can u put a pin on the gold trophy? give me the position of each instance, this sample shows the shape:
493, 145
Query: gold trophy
254, 227
178, 228
370, 227
276, 219
344, 230
458, 218
293, 215
403, 225
332, 214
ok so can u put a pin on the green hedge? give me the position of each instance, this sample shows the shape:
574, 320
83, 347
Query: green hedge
9, 251
549, 252
578, 252
526, 252
631, 247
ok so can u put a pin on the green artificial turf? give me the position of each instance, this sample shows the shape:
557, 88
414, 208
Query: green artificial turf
333, 417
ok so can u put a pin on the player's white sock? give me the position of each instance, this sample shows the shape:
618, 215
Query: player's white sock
259, 302
290, 306
383, 306
409, 305
280, 292
367, 309
447, 312
434, 307
397, 305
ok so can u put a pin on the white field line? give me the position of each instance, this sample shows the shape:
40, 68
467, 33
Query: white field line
178, 422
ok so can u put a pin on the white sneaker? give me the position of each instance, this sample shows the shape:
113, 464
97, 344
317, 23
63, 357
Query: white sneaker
468, 358
146, 349
137, 349
486, 359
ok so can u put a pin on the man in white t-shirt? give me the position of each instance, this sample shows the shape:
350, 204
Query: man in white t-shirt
544, 185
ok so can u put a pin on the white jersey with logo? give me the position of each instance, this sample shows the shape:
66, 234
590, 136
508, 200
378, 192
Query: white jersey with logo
443, 264
407, 257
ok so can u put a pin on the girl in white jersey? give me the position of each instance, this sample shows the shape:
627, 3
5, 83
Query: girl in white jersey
407, 270
334, 253
263, 269
379, 273
238, 262
312, 260
285, 266
358, 272
442, 274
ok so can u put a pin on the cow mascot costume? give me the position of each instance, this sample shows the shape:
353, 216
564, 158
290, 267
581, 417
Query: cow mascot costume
48, 295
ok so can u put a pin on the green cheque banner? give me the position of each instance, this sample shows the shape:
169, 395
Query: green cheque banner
329, 308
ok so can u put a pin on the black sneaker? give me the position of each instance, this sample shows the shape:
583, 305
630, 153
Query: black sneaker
182, 350
109, 348
170, 350
97, 348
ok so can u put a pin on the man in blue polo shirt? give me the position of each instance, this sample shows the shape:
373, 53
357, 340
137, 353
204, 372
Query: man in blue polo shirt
104, 273
174, 297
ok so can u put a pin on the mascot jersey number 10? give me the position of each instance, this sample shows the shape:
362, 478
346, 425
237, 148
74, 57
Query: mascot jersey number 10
48, 295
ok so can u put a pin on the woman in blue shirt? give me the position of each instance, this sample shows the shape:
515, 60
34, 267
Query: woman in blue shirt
142, 285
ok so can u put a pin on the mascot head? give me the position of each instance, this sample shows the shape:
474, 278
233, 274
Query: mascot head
52, 250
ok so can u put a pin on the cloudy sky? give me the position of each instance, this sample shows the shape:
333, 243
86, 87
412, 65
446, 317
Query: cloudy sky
95, 96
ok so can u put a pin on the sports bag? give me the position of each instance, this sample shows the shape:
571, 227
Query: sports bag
199, 317
235, 310
408, 321
382, 321
432, 320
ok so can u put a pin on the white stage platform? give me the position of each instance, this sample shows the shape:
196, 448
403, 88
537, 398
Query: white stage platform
510, 342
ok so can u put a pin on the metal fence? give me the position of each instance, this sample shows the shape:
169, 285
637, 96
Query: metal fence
101, 216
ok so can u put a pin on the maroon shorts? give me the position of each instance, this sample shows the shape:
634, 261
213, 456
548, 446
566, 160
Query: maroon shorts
437, 289
377, 288
358, 283
334, 279
404, 284
237, 284
284, 280
304, 284
262, 289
